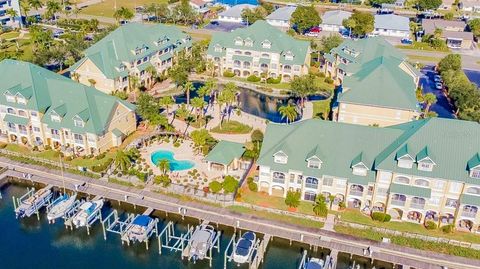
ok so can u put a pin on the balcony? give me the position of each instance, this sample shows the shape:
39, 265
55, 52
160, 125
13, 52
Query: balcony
12, 130
279, 180
398, 202
23, 131
356, 192
56, 136
78, 141
417, 205
469, 214
311, 186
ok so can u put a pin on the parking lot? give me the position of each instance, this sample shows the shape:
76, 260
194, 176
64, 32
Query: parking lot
224, 26
443, 107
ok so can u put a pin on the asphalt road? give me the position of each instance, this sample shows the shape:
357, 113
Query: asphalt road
443, 107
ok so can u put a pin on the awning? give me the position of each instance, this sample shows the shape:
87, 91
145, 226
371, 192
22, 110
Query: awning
264, 61
470, 199
16, 119
225, 152
411, 190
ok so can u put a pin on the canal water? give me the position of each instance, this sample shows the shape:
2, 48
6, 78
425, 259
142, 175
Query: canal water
29, 243
254, 103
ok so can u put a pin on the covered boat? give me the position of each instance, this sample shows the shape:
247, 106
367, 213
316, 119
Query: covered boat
33, 203
87, 213
201, 242
140, 228
61, 206
314, 263
245, 247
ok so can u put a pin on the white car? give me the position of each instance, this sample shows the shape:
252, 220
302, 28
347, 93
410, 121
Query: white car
438, 86
437, 78
313, 34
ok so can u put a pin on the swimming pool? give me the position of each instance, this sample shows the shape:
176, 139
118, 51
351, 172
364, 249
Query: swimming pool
175, 165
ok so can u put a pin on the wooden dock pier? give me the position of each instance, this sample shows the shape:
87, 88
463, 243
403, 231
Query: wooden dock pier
314, 237
262, 248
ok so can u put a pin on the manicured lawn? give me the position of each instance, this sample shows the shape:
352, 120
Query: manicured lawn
356, 217
24, 51
264, 200
9, 35
423, 58
280, 86
277, 217
106, 7
411, 242
321, 108
232, 127
422, 46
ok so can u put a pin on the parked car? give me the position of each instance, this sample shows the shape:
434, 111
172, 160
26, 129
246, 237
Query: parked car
311, 34
438, 86
406, 41
315, 29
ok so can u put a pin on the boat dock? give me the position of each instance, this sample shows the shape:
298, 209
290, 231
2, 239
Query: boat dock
45, 201
313, 237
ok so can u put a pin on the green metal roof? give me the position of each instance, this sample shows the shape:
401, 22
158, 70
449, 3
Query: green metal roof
341, 143
15, 119
117, 132
353, 179
474, 161
53, 92
119, 46
259, 32
410, 190
225, 152
470, 199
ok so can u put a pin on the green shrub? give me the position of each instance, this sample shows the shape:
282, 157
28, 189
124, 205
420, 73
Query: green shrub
164, 180
274, 80
448, 228
47, 147
99, 167
253, 186
253, 78
293, 199
215, 186
430, 225
176, 144
228, 74
2, 146
101, 156
229, 184
329, 80
249, 179
380, 216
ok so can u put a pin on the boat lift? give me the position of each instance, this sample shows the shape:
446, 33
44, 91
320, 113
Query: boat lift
169, 239
69, 213
328, 262
228, 256
215, 245
30, 192
74, 211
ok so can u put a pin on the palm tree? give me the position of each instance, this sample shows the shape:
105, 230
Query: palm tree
123, 13
92, 82
132, 82
152, 71
164, 166
12, 13
198, 103
52, 8
166, 102
319, 207
429, 100
289, 112
76, 77
187, 88
210, 67
35, 4
122, 160
25, 8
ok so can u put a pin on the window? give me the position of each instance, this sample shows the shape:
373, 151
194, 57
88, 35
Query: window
11, 111
402, 180
473, 190
10, 98
435, 200
238, 52
382, 192
425, 166
455, 187
328, 181
340, 183
316, 164
238, 41
475, 173
78, 137
422, 182
248, 53
292, 178
439, 184
21, 100
280, 157
55, 118
78, 123
309, 196
311, 182
139, 62
33, 114
266, 44
451, 202
405, 162
265, 55
91, 138
36, 129
359, 170
22, 113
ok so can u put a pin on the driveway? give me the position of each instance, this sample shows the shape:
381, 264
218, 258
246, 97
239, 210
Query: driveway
443, 107
224, 26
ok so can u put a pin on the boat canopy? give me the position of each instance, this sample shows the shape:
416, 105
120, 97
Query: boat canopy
142, 220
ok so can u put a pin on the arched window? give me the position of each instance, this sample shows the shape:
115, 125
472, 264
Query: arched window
422, 182
264, 66
311, 182
10, 110
246, 64
248, 53
403, 180
287, 68
216, 59
238, 52
278, 175
236, 63
22, 113
265, 55
473, 190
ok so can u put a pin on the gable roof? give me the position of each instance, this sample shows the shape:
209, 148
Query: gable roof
259, 32
225, 152
53, 93
392, 22
236, 11
335, 17
282, 13
378, 147
117, 47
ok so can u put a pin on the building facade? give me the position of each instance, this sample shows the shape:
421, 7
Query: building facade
41, 108
391, 25
234, 14
453, 32
333, 20
376, 84
130, 51
281, 17
5, 19
259, 49
417, 171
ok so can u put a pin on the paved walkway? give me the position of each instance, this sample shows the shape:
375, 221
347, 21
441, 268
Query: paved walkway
329, 223
317, 237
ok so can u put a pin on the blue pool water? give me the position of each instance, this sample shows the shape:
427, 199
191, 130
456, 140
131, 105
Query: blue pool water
175, 165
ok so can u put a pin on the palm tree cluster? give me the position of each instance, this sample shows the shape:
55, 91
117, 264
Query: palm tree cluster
123, 13
124, 159
288, 112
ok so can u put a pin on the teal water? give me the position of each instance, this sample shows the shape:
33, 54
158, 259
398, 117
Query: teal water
175, 165
29, 243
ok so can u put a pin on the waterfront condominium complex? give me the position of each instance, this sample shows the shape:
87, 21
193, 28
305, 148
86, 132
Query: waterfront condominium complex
126, 56
422, 170
260, 49
5, 19
40, 108
376, 84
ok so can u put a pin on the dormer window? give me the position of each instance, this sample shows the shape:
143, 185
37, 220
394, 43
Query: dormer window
265, 55
248, 42
425, 166
78, 123
266, 44
475, 173
10, 98
238, 52
122, 67
314, 162
139, 50
218, 48
21, 100
405, 162
280, 157
238, 41
289, 56
55, 118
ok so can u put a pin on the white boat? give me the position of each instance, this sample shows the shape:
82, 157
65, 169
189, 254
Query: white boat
61, 206
245, 247
86, 212
201, 241
314, 263
33, 203
140, 228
